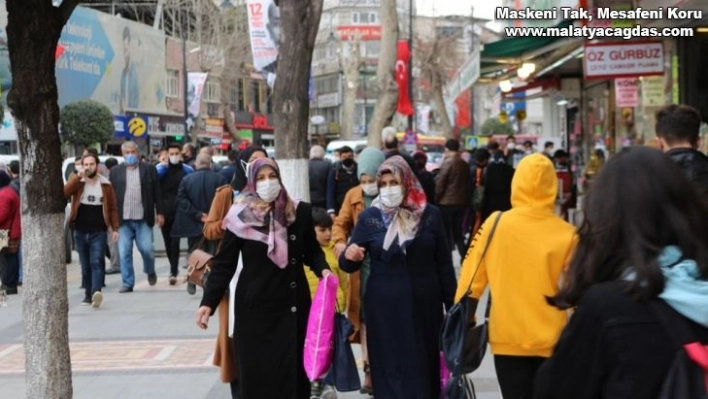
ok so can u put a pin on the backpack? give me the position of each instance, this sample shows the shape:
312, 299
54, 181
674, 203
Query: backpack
687, 377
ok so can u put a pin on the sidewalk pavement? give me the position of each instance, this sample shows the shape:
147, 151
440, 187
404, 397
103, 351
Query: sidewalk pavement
143, 344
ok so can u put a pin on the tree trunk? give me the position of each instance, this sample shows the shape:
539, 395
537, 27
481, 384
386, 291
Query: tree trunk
229, 123
386, 103
33, 30
351, 86
300, 19
437, 88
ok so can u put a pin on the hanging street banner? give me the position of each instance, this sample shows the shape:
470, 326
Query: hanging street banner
264, 28
104, 58
195, 87
465, 77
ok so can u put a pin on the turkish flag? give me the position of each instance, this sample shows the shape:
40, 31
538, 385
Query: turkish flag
402, 64
59, 51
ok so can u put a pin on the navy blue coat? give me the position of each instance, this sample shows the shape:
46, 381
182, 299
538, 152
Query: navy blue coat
196, 192
403, 304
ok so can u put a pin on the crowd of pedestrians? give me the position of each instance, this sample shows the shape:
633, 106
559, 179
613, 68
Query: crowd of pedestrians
573, 313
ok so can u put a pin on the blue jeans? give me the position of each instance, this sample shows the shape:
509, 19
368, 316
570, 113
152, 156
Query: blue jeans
142, 234
91, 248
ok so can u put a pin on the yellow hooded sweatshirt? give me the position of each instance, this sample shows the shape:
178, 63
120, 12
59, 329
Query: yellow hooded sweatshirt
524, 263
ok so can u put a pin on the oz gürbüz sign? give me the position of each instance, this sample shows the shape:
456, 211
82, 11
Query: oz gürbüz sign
623, 59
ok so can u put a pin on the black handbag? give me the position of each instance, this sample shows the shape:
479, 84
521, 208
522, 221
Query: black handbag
462, 340
344, 371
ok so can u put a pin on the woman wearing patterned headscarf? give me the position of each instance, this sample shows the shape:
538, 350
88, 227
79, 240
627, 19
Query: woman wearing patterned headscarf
411, 279
274, 235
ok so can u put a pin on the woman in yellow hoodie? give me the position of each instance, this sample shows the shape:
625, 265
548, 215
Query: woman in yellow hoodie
523, 265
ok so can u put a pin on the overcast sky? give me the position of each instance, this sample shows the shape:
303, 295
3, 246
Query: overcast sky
482, 9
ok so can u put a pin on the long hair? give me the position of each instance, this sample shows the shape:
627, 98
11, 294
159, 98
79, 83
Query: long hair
640, 203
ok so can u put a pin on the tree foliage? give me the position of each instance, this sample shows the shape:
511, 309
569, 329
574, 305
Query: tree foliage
492, 126
86, 122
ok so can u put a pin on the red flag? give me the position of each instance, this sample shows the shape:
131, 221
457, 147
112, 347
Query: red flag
59, 51
402, 64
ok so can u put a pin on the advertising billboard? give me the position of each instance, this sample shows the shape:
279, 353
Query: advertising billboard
117, 62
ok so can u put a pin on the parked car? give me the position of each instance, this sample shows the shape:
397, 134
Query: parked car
67, 169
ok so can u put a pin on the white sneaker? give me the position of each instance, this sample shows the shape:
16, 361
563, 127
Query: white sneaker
96, 299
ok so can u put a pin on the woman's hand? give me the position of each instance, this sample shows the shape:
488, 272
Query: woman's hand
355, 253
326, 272
203, 314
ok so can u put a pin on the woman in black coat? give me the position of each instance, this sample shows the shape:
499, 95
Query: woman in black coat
275, 237
411, 279
642, 254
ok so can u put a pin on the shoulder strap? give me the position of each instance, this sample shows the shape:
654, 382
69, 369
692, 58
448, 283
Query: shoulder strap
484, 251
675, 325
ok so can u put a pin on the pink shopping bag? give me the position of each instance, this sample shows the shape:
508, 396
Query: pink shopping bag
320, 329
444, 375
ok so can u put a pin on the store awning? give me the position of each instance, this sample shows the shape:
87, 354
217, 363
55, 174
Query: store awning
515, 50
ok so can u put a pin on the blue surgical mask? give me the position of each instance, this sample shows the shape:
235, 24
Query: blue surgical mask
131, 159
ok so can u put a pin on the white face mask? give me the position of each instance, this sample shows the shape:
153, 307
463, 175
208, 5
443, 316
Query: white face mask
392, 196
175, 159
511, 146
370, 189
268, 190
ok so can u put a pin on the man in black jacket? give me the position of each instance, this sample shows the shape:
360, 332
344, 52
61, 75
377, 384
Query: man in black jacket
677, 128
341, 179
196, 193
319, 172
171, 174
138, 193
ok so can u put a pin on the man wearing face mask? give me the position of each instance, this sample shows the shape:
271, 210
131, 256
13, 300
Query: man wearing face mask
341, 179
171, 171
512, 154
196, 193
139, 198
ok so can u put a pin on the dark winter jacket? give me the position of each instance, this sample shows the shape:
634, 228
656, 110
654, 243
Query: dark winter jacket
497, 188
196, 193
339, 182
695, 164
170, 177
452, 184
613, 347
319, 171
427, 181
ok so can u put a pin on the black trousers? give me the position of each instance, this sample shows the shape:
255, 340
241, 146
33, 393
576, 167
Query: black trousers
516, 375
453, 216
171, 246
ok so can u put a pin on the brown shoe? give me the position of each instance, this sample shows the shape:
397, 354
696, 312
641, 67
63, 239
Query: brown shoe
173, 280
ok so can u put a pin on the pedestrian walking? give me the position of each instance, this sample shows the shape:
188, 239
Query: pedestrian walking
411, 279
171, 171
112, 248
224, 353
642, 253
342, 177
275, 236
196, 193
357, 200
453, 194
93, 211
138, 193
10, 222
523, 264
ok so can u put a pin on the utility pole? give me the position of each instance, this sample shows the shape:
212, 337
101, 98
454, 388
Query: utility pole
410, 65
185, 78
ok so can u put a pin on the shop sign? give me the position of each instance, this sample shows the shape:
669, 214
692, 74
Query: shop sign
214, 129
623, 59
653, 91
328, 100
361, 32
627, 92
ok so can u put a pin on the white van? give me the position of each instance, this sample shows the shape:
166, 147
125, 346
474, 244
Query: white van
337, 144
